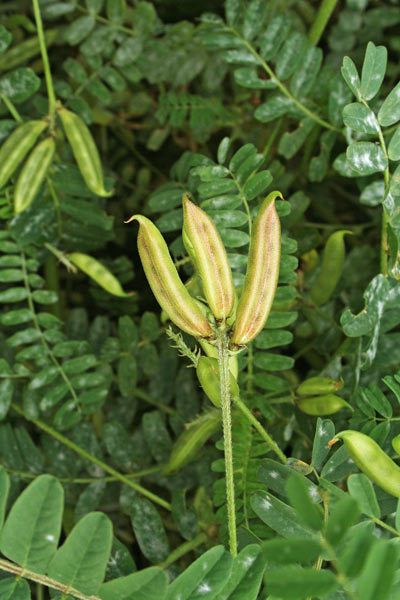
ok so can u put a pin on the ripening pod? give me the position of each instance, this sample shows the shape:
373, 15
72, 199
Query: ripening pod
165, 282
321, 406
261, 276
318, 386
208, 374
207, 251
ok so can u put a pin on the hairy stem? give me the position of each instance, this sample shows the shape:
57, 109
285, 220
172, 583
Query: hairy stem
224, 376
324, 12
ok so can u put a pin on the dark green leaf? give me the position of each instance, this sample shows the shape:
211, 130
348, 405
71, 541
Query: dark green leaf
373, 70
291, 550
290, 55
149, 530
306, 74
324, 432
147, 584
81, 561
351, 77
361, 489
32, 529
19, 85
389, 112
296, 583
79, 29
343, 515
257, 184
378, 574
12, 588
278, 515
5, 39
366, 158
360, 118
204, 578
299, 497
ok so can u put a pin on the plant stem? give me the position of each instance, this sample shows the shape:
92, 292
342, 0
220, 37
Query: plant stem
67, 442
45, 58
281, 86
183, 549
325, 10
257, 425
14, 113
224, 377
384, 234
5, 565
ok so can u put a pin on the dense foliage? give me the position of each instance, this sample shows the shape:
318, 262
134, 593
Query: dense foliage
112, 482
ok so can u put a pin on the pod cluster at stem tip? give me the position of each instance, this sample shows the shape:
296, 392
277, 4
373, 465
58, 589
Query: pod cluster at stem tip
241, 318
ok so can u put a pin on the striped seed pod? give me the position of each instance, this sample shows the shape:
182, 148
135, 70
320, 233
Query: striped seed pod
165, 282
261, 276
17, 146
33, 174
206, 249
84, 150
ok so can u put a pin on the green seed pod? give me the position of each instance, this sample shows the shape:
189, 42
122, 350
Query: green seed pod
98, 272
206, 249
212, 352
318, 385
33, 174
331, 268
319, 406
165, 282
21, 53
372, 460
396, 444
208, 374
84, 150
194, 437
261, 275
17, 146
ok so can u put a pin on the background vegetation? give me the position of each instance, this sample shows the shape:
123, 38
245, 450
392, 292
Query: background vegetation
226, 102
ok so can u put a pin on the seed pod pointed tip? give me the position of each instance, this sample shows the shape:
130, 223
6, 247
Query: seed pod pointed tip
205, 247
261, 275
165, 282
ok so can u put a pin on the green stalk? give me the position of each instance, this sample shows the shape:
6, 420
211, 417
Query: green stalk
384, 234
325, 10
183, 549
13, 111
119, 476
223, 364
45, 58
257, 425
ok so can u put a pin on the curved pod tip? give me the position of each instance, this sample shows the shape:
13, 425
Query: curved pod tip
262, 274
205, 248
166, 285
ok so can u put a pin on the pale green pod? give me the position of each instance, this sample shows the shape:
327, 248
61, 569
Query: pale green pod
17, 146
318, 386
206, 249
320, 406
33, 173
372, 460
84, 150
98, 272
165, 282
261, 275
331, 268
193, 438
